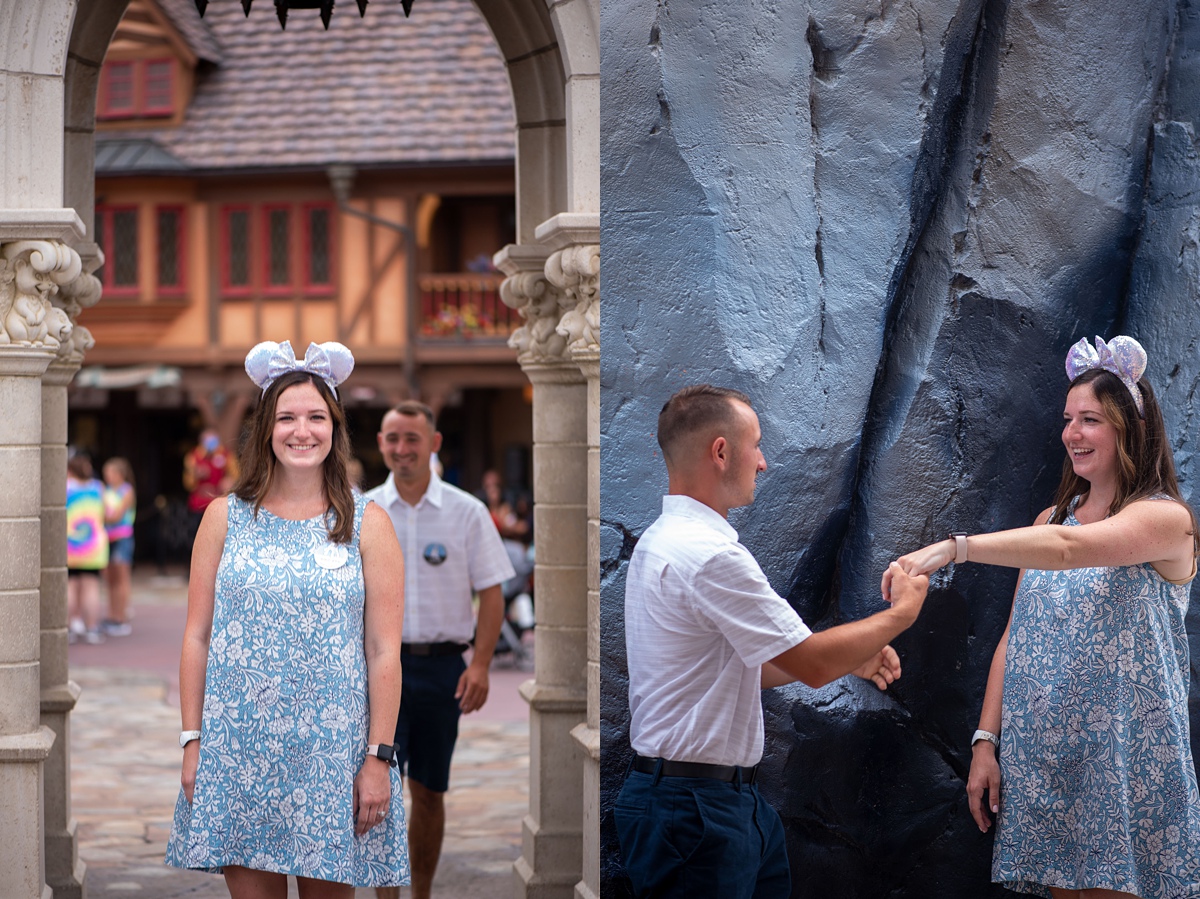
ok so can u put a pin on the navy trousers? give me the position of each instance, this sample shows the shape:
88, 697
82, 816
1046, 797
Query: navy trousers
692, 837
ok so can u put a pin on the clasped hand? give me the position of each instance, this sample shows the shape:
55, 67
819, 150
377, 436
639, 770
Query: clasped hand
923, 561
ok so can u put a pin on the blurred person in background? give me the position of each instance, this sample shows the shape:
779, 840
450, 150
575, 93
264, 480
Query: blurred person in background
209, 471
120, 506
452, 551
87, 549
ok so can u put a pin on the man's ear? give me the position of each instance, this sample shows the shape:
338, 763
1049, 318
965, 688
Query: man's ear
719, 452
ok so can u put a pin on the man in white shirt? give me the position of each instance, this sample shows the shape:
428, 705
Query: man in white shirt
451, 549
705, 633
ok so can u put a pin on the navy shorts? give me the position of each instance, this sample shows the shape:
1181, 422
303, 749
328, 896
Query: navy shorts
428, 724
121, 551
691, 836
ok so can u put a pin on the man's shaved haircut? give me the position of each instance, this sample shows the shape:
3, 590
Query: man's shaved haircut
413, 409
695, 411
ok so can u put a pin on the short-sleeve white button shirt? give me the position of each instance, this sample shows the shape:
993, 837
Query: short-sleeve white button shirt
451, 548
700, 621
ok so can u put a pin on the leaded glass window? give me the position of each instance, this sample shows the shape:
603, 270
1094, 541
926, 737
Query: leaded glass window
238, 248
279, 233
318, 246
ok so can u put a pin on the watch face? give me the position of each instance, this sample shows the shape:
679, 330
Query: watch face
387, 753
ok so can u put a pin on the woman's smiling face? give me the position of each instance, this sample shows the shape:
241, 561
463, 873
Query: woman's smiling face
303, 432
1088, 435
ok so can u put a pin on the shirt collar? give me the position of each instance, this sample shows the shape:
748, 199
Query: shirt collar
687, 507
433, 493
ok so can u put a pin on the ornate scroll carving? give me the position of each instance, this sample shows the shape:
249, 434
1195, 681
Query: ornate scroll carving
541, 304
32, 272
575, 271
73, 297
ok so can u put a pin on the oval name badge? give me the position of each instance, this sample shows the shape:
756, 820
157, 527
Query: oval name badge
434, 554
330, 555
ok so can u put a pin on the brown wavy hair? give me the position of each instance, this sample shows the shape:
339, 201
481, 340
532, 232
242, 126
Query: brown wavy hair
258, 458
1145, 465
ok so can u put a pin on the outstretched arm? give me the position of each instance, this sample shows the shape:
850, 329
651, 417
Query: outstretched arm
859, 647
1154, 531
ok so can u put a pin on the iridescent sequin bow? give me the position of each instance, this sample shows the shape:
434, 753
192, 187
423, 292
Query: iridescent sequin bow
1123, 356
331, 362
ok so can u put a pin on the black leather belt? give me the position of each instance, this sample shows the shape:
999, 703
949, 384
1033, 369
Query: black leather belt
727, 773
433, 649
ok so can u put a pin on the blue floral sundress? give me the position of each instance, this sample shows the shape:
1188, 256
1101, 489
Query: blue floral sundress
284, 728
1098, 789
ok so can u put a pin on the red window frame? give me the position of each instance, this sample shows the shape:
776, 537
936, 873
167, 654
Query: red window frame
110, 260
317, 287
166, 109
288, 288
106, 108
139, 89
180, 250
228, 289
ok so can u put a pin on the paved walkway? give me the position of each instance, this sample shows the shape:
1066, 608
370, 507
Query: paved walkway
125, 767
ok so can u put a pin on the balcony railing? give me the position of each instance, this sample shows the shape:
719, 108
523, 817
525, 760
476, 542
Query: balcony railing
464, 306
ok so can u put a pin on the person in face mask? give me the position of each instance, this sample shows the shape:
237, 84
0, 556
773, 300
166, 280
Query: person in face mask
209, 470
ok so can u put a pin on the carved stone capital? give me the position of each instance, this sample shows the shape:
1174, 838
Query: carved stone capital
539, 301
575, 271
78, 294
32, 273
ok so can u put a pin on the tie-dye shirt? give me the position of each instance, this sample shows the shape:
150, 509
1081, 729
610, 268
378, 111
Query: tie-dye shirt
87, 542
113, 498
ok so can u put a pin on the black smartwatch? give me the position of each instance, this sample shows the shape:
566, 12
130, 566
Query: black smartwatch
384, 751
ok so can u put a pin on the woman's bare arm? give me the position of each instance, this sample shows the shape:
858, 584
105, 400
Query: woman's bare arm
193, 657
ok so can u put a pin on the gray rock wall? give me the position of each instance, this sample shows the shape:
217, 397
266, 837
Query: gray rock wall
886, 222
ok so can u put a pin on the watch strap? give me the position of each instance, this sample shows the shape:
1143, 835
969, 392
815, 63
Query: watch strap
383, 751
982, 734
960, 547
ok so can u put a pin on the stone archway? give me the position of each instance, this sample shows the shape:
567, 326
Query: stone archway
50, 56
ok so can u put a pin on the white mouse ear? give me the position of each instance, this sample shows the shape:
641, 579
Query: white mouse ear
341, 362
331, 362
258, 362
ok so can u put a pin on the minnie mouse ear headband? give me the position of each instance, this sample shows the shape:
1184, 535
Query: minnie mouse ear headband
1123, 356
331, 362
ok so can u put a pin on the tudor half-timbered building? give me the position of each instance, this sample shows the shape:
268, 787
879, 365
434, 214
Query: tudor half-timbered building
254, 183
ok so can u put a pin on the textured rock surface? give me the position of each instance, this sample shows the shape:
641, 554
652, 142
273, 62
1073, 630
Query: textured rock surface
886, 222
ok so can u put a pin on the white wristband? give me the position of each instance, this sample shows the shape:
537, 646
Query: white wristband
187, 736
985, 735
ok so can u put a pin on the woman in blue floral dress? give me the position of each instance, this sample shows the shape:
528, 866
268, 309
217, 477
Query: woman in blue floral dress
290, 673
1086, 700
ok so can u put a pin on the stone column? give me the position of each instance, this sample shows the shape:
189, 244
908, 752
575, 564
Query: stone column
550, 861
31, 271
64, 869
574, 269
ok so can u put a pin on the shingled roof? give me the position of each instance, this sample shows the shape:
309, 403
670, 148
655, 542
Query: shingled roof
378, 91
195, 31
